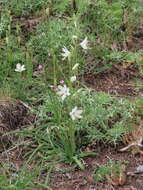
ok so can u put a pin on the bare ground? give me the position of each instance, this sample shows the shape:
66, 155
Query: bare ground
84, 179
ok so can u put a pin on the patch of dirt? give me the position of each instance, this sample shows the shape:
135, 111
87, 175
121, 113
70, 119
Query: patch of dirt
68, 177
84, 179
13, 116
118, 80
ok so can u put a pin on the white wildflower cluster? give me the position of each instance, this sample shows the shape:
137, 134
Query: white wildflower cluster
63, 92
66, 53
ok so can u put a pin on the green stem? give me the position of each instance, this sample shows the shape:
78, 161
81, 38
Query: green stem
54, 71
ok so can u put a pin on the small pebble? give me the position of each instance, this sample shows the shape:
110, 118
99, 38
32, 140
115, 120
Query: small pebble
139, 169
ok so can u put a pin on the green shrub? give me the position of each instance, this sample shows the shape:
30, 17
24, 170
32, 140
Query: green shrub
5, 21
51, 36
104, 118
25, 7
112, 21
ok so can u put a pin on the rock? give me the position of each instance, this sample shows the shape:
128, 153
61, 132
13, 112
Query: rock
139, 169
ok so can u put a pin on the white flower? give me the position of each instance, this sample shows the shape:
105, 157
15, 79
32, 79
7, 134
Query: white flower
84, 44
63, 91
20, 68
66, 53
75, 66
73, 78
75, 113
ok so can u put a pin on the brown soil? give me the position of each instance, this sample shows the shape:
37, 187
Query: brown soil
118, 80
13, 115
84, 179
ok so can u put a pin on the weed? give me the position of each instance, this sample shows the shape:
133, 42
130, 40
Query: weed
24, 7
114, 172
22, 180
99, 120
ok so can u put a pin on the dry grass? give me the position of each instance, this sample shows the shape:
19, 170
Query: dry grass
12, 113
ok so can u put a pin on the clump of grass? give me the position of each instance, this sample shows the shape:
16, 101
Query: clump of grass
60, 137
4, 23
21, 179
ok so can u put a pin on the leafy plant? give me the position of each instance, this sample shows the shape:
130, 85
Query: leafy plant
22, 180
60, 137
114, 172
108, 20
51, 36
57, 46
11, 56
25, 7
5, 22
